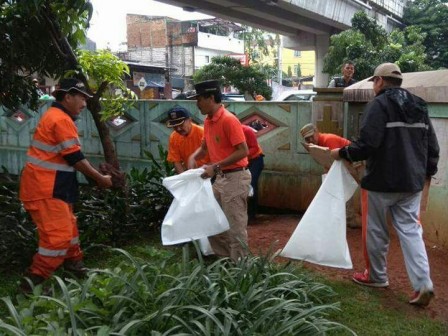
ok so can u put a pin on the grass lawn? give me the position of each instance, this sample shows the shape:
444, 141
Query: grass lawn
362, 309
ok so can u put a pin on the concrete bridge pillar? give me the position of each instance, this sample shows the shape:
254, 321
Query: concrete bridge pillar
322, 45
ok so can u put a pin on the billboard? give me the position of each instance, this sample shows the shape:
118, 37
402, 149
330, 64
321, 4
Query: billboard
244, 60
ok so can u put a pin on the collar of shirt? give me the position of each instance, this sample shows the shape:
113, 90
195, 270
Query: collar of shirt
61, 107
217, 114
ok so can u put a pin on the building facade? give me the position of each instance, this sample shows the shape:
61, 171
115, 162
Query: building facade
179, 46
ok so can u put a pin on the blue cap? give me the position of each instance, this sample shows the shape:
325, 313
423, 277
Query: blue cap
176, 116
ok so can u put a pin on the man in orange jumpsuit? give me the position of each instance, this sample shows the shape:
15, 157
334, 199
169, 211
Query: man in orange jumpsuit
186, 138
48, 184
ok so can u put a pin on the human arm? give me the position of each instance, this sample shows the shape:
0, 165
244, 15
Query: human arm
240, 152
198, 154
332, 83
179, 167
174, 155
371, 135
84, 167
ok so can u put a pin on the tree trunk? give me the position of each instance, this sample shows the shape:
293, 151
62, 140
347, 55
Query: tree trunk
110, 155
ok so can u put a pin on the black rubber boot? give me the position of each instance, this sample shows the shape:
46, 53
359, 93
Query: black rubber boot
76, 267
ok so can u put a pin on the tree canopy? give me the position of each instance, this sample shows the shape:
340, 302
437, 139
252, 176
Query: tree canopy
231, 73
38, 36
41, 37
367, 44
431, 16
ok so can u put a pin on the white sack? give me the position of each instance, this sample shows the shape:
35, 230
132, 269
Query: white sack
194, 212
205, 247
320, 237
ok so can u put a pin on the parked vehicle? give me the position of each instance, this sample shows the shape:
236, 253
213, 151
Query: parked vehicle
296, 95
233, 97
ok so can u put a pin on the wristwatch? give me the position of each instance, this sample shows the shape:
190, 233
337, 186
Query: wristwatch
217, 169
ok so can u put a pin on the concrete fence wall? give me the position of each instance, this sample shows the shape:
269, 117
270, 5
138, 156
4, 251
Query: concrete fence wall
290, 178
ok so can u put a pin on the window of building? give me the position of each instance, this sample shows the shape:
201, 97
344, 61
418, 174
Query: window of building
207, 59
296, 68
297, 53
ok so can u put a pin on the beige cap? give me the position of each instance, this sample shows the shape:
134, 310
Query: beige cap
387, 70
307, 130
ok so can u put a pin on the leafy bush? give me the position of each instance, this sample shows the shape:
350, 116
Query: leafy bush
251, 297
104, 216
17, 233
115, 216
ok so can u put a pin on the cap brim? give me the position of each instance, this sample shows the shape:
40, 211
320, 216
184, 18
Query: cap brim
54, 93
175, 122
193, 96
307, 134
371, 79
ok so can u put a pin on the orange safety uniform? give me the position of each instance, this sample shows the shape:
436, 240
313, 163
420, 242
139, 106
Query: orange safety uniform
181, 147
48, 189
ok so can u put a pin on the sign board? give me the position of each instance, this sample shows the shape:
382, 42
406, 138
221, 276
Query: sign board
142, 83
244, 60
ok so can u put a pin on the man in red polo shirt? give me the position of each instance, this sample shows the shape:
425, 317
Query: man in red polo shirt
225, 143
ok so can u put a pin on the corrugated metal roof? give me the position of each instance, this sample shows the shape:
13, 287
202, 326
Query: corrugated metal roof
432, 86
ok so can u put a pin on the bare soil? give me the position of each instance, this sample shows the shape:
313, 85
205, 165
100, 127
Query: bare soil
273, 232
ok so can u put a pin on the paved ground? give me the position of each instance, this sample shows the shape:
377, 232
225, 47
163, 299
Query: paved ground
275, 231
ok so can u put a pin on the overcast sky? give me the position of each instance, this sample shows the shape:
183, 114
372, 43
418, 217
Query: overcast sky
108, 24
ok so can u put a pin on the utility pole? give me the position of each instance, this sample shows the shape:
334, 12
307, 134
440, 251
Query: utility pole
279, 61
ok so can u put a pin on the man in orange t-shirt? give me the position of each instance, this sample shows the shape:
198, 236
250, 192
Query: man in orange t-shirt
311, 135
186, 138
226, 145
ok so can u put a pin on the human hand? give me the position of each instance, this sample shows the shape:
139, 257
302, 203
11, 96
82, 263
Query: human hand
335, 154
209, 171
105, 181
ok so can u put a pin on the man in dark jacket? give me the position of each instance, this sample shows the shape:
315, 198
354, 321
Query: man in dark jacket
399, 143
348, 70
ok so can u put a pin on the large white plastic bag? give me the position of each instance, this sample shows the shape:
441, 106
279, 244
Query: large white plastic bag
320, 237
206, 248
194, 212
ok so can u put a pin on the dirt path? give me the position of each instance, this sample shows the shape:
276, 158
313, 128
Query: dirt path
267, 229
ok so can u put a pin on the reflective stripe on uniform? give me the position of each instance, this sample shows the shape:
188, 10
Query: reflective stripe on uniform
74, 241
51, 253
403, 124
50, 165
56, 148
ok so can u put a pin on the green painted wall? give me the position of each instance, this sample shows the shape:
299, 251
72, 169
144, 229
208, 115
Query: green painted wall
290, 178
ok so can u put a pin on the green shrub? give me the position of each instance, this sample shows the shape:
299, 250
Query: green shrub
17, 233
116, 216
110, 217
251, 297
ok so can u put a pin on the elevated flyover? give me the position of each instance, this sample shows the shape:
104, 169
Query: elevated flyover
305, 24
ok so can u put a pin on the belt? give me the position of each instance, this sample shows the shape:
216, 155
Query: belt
227, 171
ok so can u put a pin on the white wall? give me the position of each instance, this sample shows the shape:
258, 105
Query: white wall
224, 43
